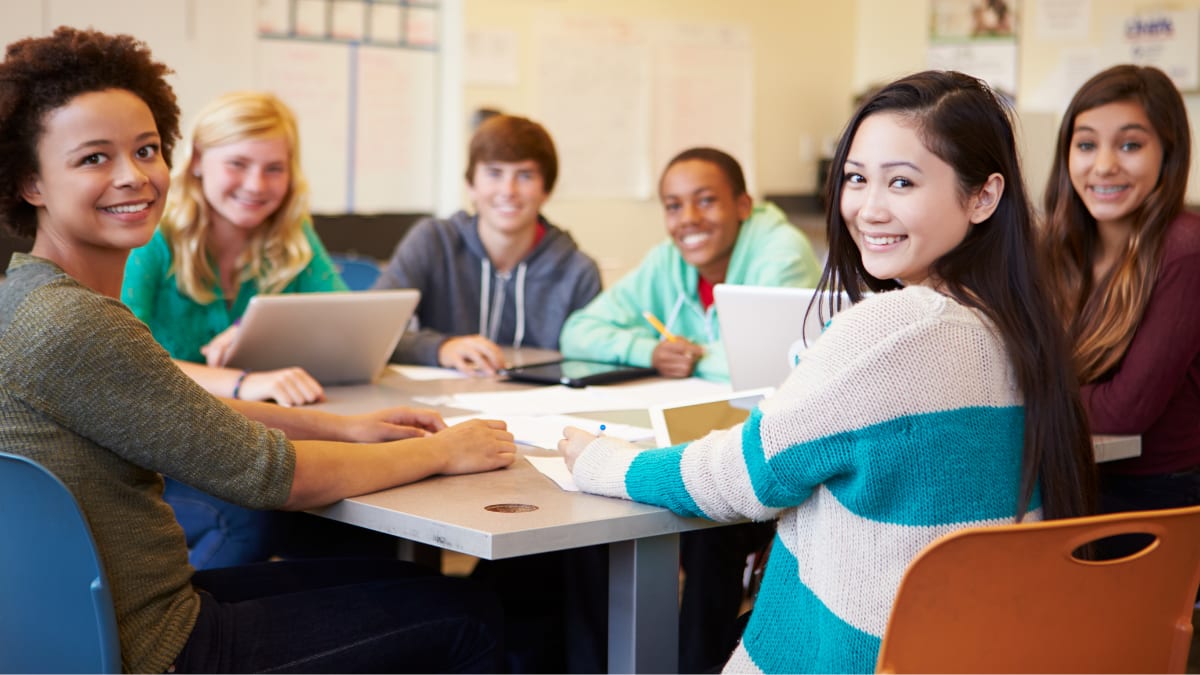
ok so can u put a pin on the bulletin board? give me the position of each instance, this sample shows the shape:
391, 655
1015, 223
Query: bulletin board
360, 76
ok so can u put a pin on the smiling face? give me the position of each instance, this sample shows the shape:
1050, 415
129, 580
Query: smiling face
507, 195
903, 204
1115, 160
244, 182
101, 177
703, 216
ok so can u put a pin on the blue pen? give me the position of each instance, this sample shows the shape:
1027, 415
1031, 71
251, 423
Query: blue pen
602, 428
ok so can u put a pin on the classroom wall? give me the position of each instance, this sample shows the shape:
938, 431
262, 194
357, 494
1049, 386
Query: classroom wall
891, 39
214, 47
208, 43
810, 57
802, 95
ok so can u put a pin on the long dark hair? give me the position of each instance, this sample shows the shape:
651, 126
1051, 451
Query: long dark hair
1102, 316
993, 270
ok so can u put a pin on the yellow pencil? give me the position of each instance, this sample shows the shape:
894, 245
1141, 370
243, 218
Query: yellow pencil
658, 326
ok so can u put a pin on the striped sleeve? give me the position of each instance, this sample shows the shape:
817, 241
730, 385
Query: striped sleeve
883, 382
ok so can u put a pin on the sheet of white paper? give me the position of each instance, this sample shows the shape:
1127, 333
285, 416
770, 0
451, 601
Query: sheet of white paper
549, 400
544, 431
644, 394
555, 469
427, 372
557, 399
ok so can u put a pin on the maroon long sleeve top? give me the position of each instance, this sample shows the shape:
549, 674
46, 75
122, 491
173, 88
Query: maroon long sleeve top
1155, 389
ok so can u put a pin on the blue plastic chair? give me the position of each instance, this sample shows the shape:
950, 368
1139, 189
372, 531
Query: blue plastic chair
358, 272
56, 608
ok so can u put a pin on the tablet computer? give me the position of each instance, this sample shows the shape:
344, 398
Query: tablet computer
340, 337
577, 373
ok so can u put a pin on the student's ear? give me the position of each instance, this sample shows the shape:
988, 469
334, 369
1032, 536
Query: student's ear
194, 168
985, 201
744, 205
31, 191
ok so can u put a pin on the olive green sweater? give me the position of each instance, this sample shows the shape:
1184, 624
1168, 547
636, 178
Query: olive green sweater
87, 392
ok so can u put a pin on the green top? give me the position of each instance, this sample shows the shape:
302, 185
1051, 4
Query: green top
182, 325
769, 251
87, 392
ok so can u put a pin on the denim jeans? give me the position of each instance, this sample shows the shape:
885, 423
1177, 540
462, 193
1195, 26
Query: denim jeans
220, 534
1119, 493
328, 615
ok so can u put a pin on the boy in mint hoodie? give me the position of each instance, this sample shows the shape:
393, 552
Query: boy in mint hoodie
717, 235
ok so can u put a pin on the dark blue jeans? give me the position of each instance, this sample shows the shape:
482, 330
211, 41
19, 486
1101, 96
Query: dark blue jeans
220, 534
1120, 493
341, 616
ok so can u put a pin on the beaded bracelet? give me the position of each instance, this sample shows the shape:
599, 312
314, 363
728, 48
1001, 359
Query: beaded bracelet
237, 386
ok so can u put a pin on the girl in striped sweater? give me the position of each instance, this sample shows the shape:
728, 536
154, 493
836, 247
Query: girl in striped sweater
944, 400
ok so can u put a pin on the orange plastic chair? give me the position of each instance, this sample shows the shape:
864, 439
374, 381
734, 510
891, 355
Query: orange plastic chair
1014, 599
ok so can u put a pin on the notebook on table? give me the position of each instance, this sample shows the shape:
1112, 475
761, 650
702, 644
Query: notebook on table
338, 337
759, 325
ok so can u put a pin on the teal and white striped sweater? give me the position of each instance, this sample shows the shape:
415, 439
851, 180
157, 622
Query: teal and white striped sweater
902, 423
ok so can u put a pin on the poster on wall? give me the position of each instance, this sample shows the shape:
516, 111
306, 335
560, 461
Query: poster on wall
1167, 40
977, 37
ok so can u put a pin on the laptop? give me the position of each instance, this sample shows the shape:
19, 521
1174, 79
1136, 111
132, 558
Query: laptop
759, 325
339, 337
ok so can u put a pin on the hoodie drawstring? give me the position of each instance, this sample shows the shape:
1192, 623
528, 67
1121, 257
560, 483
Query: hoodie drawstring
489, 321
519, 335
706, 315
485, 293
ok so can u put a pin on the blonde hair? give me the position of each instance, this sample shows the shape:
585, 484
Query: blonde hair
277, 250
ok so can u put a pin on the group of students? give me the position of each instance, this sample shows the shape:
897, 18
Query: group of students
960, 388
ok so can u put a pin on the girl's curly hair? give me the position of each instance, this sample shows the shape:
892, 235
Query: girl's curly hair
41, 74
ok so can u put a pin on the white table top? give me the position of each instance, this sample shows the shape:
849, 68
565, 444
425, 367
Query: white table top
529, 513
517, 511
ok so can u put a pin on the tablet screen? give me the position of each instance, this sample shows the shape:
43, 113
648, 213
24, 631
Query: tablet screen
577, 373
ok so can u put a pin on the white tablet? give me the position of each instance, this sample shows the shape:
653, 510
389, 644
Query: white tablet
339, 337
686, 421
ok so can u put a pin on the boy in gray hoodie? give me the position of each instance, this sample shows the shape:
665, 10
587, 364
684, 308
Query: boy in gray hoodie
504, 275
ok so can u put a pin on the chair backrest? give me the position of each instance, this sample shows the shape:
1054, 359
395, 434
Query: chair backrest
56, 610
358, 272
1014, 599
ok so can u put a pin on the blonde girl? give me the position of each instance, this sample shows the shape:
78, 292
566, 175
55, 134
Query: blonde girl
236, 225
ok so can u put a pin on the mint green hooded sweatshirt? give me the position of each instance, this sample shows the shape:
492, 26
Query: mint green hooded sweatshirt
769, 251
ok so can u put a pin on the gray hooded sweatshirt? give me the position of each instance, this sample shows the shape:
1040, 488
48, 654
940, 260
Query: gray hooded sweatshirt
446, 261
